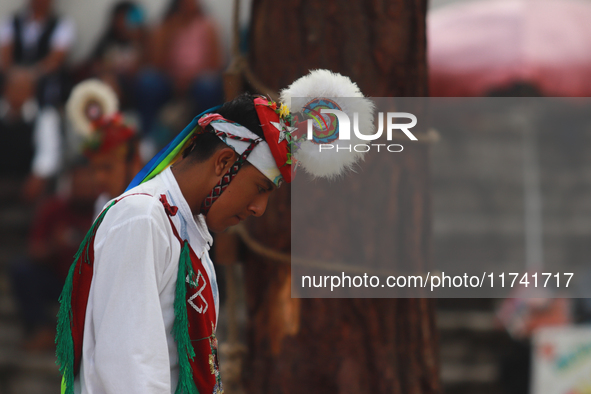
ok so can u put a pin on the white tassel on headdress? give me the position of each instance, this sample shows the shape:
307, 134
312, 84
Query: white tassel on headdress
89, 101
336, 87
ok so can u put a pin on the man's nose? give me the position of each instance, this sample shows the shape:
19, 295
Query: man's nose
259, 205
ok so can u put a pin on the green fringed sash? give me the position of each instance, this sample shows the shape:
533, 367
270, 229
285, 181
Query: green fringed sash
193, 328
180, 328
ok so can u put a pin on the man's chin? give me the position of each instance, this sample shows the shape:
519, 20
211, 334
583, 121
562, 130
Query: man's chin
217, 230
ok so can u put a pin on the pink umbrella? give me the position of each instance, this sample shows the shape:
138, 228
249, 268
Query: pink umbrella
476, 47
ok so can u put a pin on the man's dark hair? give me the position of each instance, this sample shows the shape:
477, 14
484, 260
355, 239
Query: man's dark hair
240, 110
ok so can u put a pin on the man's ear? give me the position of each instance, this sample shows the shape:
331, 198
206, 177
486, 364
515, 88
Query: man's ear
223, 160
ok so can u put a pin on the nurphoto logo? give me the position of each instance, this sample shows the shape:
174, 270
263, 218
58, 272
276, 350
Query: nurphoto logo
342, 125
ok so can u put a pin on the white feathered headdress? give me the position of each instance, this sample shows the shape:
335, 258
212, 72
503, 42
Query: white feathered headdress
325, 89
90, 101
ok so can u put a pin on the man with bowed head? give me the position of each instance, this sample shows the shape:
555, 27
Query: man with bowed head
140, 306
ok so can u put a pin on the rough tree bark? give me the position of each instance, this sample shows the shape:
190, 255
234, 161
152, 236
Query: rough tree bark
342, 345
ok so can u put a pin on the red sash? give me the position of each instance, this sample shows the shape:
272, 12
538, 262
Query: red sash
202, 319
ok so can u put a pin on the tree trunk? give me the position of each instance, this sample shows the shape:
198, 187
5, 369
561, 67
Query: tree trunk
342, 345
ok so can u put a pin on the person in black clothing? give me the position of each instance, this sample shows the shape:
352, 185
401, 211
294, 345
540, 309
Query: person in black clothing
30, 137
38, 40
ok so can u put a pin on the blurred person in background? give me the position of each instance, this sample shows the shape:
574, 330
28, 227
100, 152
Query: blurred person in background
38, 41
59, 226
114, 158
30, 138
121, 50
186, 62
109, 143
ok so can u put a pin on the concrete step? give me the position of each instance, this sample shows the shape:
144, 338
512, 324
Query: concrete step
24, 373
456, 373
472, 346
7, 307
11, 334
10, 189
477, 321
